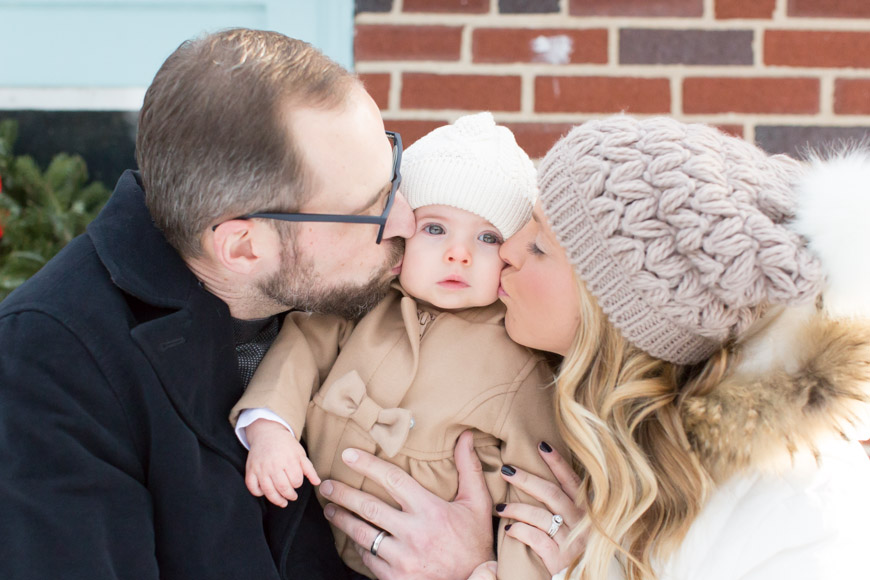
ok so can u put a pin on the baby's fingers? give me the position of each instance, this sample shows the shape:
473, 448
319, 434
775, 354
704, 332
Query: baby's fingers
309, 472
286, 482
276, 492
252, 482
295, 476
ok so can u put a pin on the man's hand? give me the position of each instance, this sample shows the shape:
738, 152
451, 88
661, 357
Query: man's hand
428, 538
486, 571
276, 463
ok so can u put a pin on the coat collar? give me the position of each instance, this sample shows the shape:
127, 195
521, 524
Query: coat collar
135, 252
187, 332
491, 314
405, 320
804, 378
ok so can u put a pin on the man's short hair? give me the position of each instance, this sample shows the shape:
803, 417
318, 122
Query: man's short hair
214, 139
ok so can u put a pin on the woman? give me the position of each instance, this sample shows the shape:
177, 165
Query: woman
711, 305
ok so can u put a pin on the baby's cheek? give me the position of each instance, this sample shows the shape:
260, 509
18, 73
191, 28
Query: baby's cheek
494, 281
406, 278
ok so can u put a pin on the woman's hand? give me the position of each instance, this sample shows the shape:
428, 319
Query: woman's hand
429, 538
532, 524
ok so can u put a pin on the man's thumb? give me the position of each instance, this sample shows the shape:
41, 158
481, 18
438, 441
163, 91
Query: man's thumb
486, 571
472, 485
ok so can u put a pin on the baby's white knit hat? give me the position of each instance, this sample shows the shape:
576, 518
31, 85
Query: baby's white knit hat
474, 165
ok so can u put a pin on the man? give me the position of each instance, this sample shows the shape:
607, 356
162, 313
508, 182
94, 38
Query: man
121, 358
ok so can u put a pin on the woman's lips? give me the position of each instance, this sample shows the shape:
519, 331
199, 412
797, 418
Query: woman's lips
501, 291
397, 269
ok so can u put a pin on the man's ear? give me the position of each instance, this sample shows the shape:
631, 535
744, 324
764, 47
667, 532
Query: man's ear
244, 246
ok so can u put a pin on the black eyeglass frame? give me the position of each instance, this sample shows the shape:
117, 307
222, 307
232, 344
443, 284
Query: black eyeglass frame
380, 220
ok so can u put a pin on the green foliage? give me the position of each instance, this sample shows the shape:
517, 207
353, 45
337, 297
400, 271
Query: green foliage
40, 211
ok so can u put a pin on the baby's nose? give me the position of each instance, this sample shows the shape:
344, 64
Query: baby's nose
458, 254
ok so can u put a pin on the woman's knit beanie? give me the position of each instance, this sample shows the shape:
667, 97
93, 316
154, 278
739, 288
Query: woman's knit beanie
474, 165
678, 230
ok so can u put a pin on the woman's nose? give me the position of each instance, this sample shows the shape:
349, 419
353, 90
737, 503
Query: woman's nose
511, 250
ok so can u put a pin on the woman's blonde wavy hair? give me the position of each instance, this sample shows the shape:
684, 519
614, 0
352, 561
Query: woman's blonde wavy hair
618, 410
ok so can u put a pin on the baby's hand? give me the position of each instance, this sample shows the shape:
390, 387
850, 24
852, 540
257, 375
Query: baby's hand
276, 463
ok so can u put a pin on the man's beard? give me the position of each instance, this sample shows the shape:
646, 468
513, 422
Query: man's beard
296, 286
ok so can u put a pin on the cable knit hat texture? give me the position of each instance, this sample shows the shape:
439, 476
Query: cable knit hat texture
474, 165
678, 230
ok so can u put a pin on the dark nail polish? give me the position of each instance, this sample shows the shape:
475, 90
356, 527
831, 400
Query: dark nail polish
507, 527
500, 507
508, 470
545, 447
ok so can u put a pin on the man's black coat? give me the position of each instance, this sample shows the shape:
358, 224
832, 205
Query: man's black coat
117, 372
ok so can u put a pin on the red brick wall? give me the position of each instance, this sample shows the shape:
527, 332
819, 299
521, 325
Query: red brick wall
782, 73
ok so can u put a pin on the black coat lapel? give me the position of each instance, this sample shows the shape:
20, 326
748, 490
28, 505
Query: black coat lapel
194, 357
188, 336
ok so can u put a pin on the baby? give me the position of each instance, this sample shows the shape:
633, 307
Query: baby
430, 361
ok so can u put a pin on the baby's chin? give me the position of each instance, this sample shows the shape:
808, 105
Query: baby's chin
458, 304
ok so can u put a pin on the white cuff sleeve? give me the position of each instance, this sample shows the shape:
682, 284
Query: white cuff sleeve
248, 416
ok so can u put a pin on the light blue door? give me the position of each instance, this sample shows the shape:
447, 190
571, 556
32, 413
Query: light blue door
108, 44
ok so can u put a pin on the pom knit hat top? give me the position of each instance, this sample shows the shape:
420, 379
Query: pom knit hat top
679, 231
474, 165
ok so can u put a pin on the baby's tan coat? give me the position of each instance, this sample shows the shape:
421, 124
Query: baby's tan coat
455, 372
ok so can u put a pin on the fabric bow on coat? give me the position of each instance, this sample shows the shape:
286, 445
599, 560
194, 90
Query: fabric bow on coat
347, 397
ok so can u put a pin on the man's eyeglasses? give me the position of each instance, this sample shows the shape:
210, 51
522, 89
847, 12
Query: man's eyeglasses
380, 220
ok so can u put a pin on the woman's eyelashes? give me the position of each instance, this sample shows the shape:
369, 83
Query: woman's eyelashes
534, 249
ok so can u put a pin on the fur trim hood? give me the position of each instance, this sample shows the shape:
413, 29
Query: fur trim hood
801, 374
800, 379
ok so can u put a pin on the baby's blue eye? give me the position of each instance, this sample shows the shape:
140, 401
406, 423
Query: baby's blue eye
433, 229
489, 238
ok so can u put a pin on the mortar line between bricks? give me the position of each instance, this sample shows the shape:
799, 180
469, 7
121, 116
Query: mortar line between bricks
758, 49
527, 93
555, 20
613, 46
754, 119
780, 11
709, 11
749, 132
814, 120
826, 94
465, 50
607, 70
677, 95
395, 96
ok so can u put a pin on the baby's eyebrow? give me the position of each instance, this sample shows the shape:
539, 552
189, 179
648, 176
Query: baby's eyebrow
433, 216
